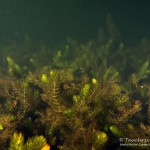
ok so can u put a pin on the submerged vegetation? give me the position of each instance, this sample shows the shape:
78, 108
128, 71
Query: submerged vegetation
82, 96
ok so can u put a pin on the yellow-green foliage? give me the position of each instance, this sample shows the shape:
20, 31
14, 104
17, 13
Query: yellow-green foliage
94, 81
82, 98
57, 56
85, 90
1, 127
142, 74
44, 78
100, 139
34, 143
17, 142
111, 75
130, 126
83, 94
76, 98
73, 108
116, 131
13, 67
68, 112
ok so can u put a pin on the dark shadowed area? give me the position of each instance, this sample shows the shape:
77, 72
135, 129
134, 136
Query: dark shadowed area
54, 20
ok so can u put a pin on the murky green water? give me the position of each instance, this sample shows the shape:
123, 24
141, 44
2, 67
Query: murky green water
74, 75
53, 21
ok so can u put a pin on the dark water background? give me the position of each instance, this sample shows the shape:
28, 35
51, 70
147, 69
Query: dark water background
54, 20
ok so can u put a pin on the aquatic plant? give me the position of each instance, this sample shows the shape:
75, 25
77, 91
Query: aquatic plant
75, 106
36, 143
79, 96
17, 142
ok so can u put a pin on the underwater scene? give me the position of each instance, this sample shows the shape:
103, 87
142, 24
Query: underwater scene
74, 75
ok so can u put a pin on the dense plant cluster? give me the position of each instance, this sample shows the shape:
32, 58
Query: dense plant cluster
83, 96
